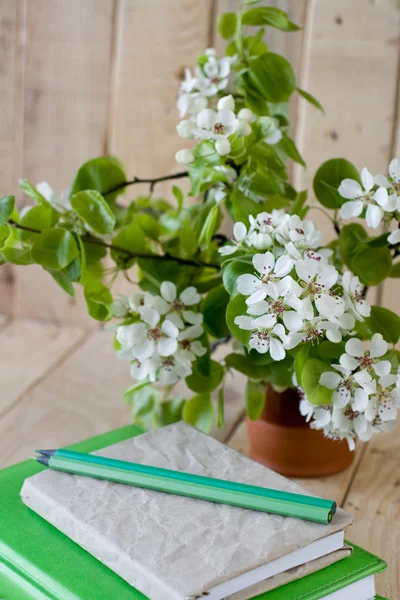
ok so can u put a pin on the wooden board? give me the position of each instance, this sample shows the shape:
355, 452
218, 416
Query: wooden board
28, 351
10, 139
334, 487
66, 83
374, 499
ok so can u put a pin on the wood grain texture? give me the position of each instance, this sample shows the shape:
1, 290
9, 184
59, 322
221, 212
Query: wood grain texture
74, 398
66, 92
334, 487
353, 56
374, 499
10, 130
28, 351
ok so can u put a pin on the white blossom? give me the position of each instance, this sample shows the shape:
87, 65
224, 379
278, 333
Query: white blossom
270, 281
266, 335
212, 75
375, 202
394, 237
184, 157
353, 296
357, 356
240, 234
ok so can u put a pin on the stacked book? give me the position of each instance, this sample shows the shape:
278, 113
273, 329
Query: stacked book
68, 537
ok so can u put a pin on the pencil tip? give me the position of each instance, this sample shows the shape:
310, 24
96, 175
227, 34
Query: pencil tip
46, 452
44, 460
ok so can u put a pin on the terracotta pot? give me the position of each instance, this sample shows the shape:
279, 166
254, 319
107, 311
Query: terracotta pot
283, 441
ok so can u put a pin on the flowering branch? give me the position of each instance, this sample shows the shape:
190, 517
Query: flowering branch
152, 182
96, 242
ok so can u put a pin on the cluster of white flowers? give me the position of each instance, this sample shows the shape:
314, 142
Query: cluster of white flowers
278, 227
210, 78
163, 341
379, 195
216, 126
365, 398
294, 295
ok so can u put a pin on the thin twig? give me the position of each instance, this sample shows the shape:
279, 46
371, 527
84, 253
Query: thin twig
152, 182
88, 239
219, 342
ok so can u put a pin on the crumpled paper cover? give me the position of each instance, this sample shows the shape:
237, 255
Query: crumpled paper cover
172, 547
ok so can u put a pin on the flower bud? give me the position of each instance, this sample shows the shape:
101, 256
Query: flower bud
223, 146
185, 128
244, 128
184, 157
226, 103
245, 114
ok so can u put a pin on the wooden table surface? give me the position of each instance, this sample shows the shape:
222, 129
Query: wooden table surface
63, 384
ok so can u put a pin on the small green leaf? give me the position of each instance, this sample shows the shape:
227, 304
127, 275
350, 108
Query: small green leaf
245, 365
200, 383
199, 412
311, 373
6, 208
255, 396
94, 210
395, 270
130, 238
98, 300
298, 207
179, 197
328, 179
169, 411
17, 256
273, 76
213, 308
63, 282
210, 226
372, 265
384, 321
40, 217
226, 24
232, 269
54, 248
196, 172
300, 361
187, 239
32, 192
237, 307
310, 99
290, 149
220, 408
205, 151
274, 17
352, 236
101, 174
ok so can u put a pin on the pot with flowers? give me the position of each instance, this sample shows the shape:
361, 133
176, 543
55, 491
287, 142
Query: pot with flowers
320, 362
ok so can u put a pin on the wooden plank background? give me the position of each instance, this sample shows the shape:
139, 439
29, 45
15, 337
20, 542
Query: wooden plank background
80, 79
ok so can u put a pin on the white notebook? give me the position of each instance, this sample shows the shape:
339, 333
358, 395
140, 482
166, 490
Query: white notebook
176, 548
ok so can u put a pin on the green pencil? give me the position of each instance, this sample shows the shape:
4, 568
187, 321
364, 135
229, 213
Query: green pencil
188, 484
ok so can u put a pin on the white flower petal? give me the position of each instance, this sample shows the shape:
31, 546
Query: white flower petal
354, 347
277, 350
350, 189
167, 346
383, 367
192, 317
168, 291
244, 322
247, 284
367, 179
266, 321
283, 266
257, 296
351, 209
206, 119
382, 181
264, 263
373, 216
330, 380
223, 147
292, 320
227, 250
149, 316
340, 398
381, 197
191, 333
326, 305
348, 362
360, 400
170, 329
239, 231
394, 237
144, 350
378, 346
190, 296
176, 320
394, 169
160, 305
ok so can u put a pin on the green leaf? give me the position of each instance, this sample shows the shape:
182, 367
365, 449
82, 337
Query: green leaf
98, 300
210, 226
40, 217
7, 236
63, 282
30, 190
300, 361
94, 210
328, 178
351, 237
269, 16
169, 411
255, 396
290, 149
372, 265
100, 174
196, 173
17, 256
6, 208
130, 238
298, 204
200, 383
273, 76
149, 225
395, 270
384, 321
226, 24
310, 99
179, 197
232, 269
311, 373
199, 412
236, 307
54, 248
187, 239
245, 365
280, 373
220, 408
213, 308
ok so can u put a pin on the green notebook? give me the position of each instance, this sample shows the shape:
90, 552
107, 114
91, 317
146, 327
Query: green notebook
38, 562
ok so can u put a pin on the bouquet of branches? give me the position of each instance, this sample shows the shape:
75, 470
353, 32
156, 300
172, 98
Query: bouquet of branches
296, 309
